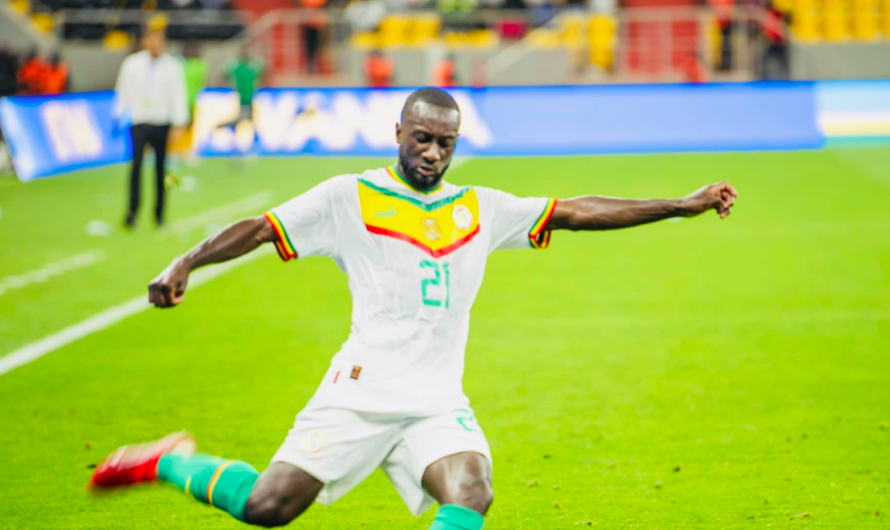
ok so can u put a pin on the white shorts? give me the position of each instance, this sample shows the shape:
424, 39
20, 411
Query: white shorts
342, 447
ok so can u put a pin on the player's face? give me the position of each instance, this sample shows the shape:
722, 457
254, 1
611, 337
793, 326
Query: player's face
426, 137
154, 42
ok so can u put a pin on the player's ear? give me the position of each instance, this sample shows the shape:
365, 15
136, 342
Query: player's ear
398, 133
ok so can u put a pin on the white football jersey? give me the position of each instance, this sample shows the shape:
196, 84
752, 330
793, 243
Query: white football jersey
415, 262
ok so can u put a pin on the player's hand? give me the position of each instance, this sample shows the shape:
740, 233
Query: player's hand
168, 289
719, 197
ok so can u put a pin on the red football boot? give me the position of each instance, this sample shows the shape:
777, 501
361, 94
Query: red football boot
139, 463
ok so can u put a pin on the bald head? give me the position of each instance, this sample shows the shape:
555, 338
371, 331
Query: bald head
433, 97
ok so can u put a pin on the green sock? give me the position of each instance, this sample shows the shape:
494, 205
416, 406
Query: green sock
222, 483
454, 517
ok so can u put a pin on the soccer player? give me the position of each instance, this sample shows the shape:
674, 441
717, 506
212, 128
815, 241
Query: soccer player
245, 74
414, 248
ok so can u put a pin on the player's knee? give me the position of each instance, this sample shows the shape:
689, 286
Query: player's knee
269, 511
475, 494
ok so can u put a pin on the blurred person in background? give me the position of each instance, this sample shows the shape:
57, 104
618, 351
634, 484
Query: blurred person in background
9, 69
364, 15
245, 75
151, 91
457, 15
55, 78
312, 31
379, 69
774, 65
194, 69
723, 11
30, 73
443, 72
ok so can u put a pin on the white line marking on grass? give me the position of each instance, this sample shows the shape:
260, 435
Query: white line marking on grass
112, 316
50, 270
250, 204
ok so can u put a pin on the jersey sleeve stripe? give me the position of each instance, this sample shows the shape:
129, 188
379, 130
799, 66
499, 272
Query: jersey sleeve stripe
283, 244
538, 237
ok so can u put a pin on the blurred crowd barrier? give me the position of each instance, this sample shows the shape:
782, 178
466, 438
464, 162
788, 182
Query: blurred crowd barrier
382, 43
56, 134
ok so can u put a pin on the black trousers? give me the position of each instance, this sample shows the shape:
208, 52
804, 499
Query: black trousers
156, 137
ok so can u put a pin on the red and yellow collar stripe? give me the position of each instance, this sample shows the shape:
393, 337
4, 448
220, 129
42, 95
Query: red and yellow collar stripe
282, 244
394, 173
538, 237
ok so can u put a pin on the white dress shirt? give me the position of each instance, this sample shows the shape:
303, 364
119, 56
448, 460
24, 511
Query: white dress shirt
152, 91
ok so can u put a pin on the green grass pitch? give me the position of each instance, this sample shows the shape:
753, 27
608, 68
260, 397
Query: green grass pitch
690, 374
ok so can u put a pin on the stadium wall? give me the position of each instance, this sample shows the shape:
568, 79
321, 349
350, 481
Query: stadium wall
53, 135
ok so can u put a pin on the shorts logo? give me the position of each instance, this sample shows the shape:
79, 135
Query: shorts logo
356, 370
463, 217
311, 442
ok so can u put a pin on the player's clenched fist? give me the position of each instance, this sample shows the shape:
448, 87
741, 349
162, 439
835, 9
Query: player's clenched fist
168, 289
719, 197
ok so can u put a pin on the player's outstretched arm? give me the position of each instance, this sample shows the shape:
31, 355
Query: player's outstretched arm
237, 239
607, 213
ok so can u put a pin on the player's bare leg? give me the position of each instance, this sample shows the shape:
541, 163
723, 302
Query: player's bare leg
280, 495
461, 483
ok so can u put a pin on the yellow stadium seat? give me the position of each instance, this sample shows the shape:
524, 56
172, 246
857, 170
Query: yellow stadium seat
365, 40
835, 19
885, 17
423, 29
805, 20
601, 35
572, 28
865, 19
394, 31
716, 41
116, 39
482, 38
456, 41
43, 22
21, 6
785, 6
545, 39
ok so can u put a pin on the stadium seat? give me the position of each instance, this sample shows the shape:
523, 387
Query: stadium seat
43, 22
884, 15
545, 39
835, 20
393, 31
365, 40
865, 19
601, 34
21, 6
805, 20
423, 29
482, 38
572, 27
116, 39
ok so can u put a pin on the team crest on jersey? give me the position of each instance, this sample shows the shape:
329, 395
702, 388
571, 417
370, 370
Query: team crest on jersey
463, 217
311, 442
431, 228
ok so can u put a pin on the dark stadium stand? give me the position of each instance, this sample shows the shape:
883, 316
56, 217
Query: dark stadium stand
188, 19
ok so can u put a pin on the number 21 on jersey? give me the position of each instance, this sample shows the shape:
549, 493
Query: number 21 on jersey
436, 285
